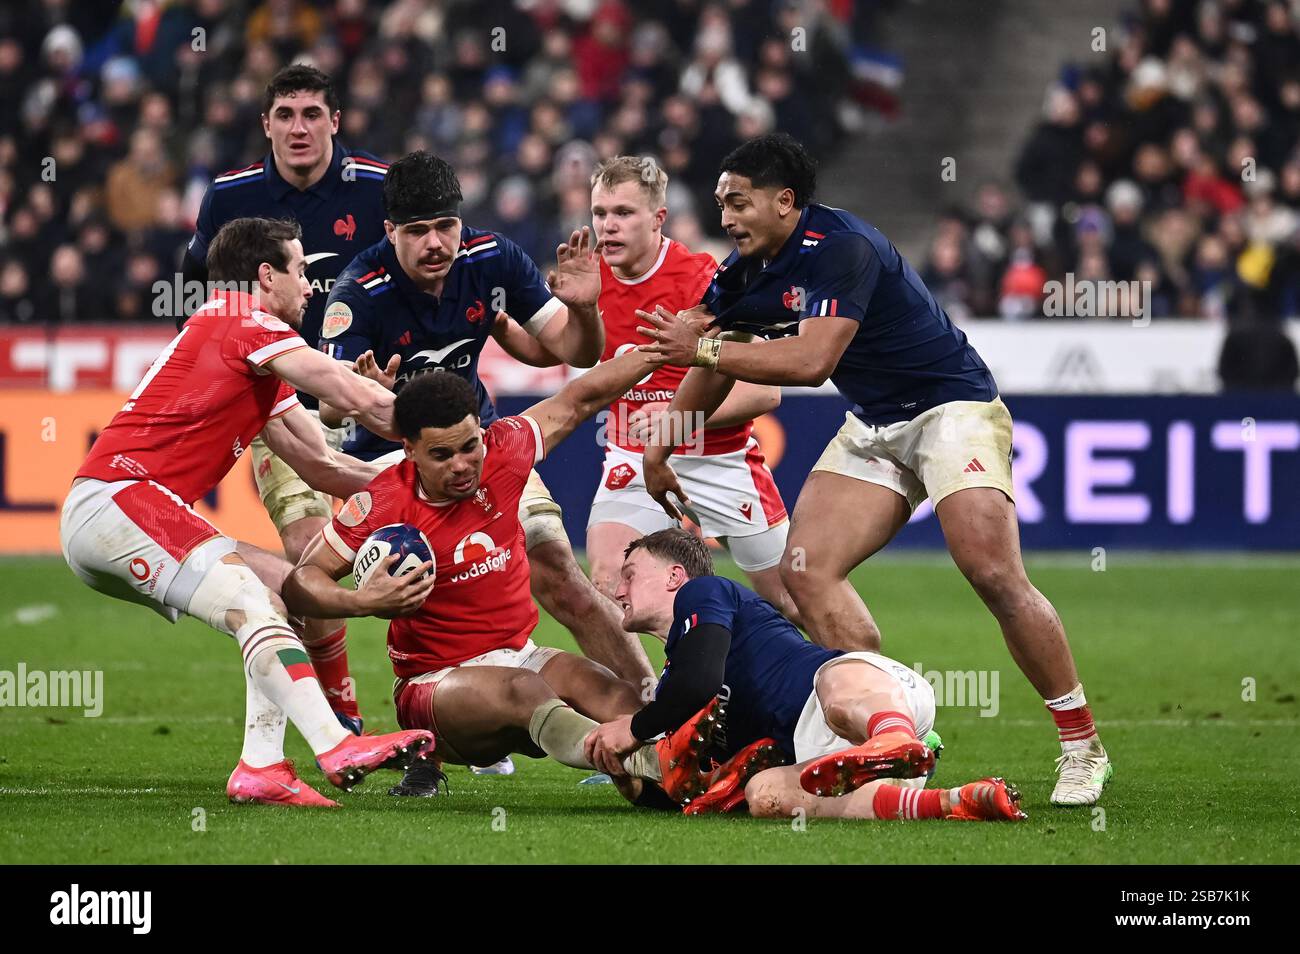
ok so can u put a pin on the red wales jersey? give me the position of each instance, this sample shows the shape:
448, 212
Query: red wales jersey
481, 599
677, 280
202, 401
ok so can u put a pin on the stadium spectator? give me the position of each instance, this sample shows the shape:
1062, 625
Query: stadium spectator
1178, 160
141, 104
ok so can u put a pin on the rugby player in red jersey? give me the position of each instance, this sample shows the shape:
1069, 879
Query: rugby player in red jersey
129, 529
721, 467
465, 663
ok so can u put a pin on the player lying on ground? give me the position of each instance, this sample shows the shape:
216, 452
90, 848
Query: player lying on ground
849, 720
465, 663
836, 300
733, 496
424, 298
129, 530
335, 194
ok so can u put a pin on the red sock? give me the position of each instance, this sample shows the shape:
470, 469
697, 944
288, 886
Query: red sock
881, 722
329, 657
891, 803
1074, 725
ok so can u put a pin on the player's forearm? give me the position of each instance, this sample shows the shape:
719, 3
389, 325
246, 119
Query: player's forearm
309, 591
796, 361
602, 384
367, 402
582, 340
331, 416
694, 677
745, 402
700, 396
342, 475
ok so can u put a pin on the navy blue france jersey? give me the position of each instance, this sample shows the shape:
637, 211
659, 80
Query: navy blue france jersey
906, 357
376, 307
770, 666
342, 213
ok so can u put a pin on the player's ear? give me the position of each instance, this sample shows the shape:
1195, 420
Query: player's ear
334, 122
266, 125
391, 231
408, 448
661, 215
677, 577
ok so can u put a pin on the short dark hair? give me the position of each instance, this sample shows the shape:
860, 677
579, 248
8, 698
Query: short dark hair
433, 399
776, 159
299, 78
418, 184
240, 247
678, 546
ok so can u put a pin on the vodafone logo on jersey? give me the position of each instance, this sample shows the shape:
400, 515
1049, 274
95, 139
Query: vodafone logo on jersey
477, 555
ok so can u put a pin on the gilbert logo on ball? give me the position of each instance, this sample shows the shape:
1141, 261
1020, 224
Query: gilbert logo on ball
402, 539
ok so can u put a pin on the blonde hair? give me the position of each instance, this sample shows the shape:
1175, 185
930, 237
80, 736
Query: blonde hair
641, 169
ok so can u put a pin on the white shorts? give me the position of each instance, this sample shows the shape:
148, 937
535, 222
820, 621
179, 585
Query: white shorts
137, 541
813, 736
733, 499
541, 517
945, 449
530, 656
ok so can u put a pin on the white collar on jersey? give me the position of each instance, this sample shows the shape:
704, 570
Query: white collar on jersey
664, 242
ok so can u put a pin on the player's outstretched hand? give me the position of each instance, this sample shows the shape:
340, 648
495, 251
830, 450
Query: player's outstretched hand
367, 365
389, 596
660, 481
575, 280
674, 337
606, 745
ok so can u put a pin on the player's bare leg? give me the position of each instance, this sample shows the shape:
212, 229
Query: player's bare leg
768, 584
776, 793
983, 536
606, 543
592, 689
564, 591
817, 561
484, 713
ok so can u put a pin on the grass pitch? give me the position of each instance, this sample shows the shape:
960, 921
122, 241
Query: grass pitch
1172, 649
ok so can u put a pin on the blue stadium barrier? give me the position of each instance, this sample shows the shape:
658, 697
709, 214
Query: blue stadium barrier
1147, 472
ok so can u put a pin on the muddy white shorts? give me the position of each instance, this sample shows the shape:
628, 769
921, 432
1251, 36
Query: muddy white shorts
945, 449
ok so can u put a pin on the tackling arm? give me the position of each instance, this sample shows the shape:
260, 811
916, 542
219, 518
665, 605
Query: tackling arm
349, 395
559, 416
297, 439
520, 345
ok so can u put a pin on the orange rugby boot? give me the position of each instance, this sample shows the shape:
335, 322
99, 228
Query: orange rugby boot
726, 791
680, 752
989, 799
892, 755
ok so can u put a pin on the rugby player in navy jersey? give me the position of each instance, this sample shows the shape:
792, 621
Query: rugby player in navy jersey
831, 297
424, 299
335, 194
753, 693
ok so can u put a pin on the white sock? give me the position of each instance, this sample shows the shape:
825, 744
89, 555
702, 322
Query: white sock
264, 724
1074, 699
644, 763
269, 650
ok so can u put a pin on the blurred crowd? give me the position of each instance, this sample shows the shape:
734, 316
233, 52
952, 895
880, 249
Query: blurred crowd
1173, 161
115, 116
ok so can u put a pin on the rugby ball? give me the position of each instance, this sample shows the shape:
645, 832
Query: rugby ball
400, 538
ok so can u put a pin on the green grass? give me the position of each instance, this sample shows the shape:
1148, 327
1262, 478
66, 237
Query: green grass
1163, 642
